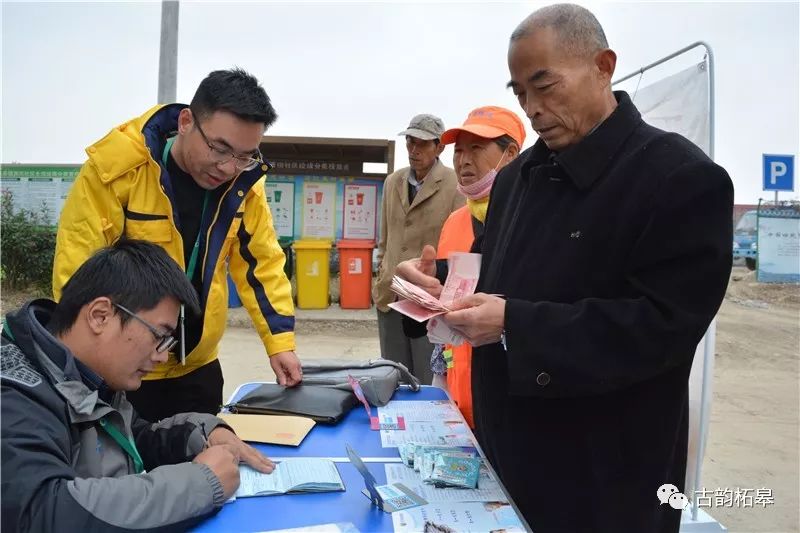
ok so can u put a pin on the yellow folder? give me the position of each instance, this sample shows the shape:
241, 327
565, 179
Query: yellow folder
269, 429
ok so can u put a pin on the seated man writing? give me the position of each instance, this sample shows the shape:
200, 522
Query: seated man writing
75, 455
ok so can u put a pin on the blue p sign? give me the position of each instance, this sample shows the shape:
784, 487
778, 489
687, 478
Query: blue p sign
778, 172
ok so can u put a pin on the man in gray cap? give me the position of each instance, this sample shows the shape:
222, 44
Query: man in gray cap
416, 202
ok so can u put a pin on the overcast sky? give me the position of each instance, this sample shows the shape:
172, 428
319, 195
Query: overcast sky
71, 71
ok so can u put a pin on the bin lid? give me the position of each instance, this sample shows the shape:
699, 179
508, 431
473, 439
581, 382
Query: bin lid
355, 243
312, 244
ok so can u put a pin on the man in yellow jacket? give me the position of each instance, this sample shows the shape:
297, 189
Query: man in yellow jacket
191, 179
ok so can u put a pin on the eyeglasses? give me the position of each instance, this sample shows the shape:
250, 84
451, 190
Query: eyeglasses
165, 340
222, 156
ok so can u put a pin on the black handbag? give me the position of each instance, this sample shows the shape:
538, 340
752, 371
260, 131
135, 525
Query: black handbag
322, 404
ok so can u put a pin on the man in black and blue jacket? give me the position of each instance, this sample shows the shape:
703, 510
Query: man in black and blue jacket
75, 454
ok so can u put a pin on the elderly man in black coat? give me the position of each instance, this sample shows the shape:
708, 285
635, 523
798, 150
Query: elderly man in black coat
610, 241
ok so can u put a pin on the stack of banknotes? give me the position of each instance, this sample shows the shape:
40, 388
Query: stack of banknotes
442, 466
418, 304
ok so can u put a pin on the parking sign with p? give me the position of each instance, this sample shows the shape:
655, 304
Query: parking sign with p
778, 172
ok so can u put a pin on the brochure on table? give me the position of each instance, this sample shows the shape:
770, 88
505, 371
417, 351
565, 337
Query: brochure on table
439, 432
476, 517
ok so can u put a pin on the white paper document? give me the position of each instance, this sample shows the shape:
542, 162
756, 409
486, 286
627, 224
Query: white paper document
473, 517
488, 488
290, 475
444, 433
423, 411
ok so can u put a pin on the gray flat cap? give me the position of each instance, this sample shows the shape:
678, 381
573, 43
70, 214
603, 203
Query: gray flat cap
425, 127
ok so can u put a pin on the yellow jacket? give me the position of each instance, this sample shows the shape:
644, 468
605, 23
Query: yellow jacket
122, 189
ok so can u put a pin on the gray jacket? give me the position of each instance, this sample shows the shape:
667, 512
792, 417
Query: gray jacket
62, 471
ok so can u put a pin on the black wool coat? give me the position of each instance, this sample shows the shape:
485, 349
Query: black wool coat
613, 256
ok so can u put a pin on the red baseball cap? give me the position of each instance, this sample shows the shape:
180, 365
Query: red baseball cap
489, 122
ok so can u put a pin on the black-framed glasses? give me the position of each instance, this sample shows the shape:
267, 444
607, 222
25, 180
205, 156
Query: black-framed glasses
165, 340
222, 155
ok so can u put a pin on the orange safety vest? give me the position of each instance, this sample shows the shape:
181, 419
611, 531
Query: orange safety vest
457, 236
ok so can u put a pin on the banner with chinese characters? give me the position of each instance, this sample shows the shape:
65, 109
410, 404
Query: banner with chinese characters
280, 198
360, 212
38, 188
314, 167
319, 202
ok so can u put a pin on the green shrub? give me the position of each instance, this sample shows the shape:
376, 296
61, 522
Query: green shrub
28, 243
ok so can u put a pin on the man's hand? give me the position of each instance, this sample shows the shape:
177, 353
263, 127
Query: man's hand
287, 369
224, 462
245, 452
422, 271
480, 318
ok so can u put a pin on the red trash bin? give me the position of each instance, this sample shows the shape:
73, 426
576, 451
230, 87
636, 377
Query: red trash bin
355, 273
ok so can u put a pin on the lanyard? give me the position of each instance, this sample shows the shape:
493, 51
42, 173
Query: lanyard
125, 443
196, 249
7, 331
192, 266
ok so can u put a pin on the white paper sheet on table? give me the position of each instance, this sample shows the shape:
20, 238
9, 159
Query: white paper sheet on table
488, 488
447, 433
473, 517
424, 411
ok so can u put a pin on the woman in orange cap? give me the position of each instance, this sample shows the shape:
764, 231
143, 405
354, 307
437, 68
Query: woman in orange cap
490, 138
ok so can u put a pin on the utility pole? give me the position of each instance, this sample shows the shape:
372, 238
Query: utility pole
168, 54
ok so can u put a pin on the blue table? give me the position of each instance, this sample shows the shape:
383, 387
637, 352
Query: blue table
298, 510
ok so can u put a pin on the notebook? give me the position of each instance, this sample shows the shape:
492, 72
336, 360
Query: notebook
290, 476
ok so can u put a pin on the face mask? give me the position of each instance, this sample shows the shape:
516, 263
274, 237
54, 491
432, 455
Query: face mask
482, 187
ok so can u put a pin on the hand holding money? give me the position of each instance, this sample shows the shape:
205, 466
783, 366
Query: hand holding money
417, 303
422, 271
480, 318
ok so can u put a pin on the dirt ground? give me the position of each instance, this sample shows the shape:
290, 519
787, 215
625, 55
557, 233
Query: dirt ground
753, 439
753, 434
